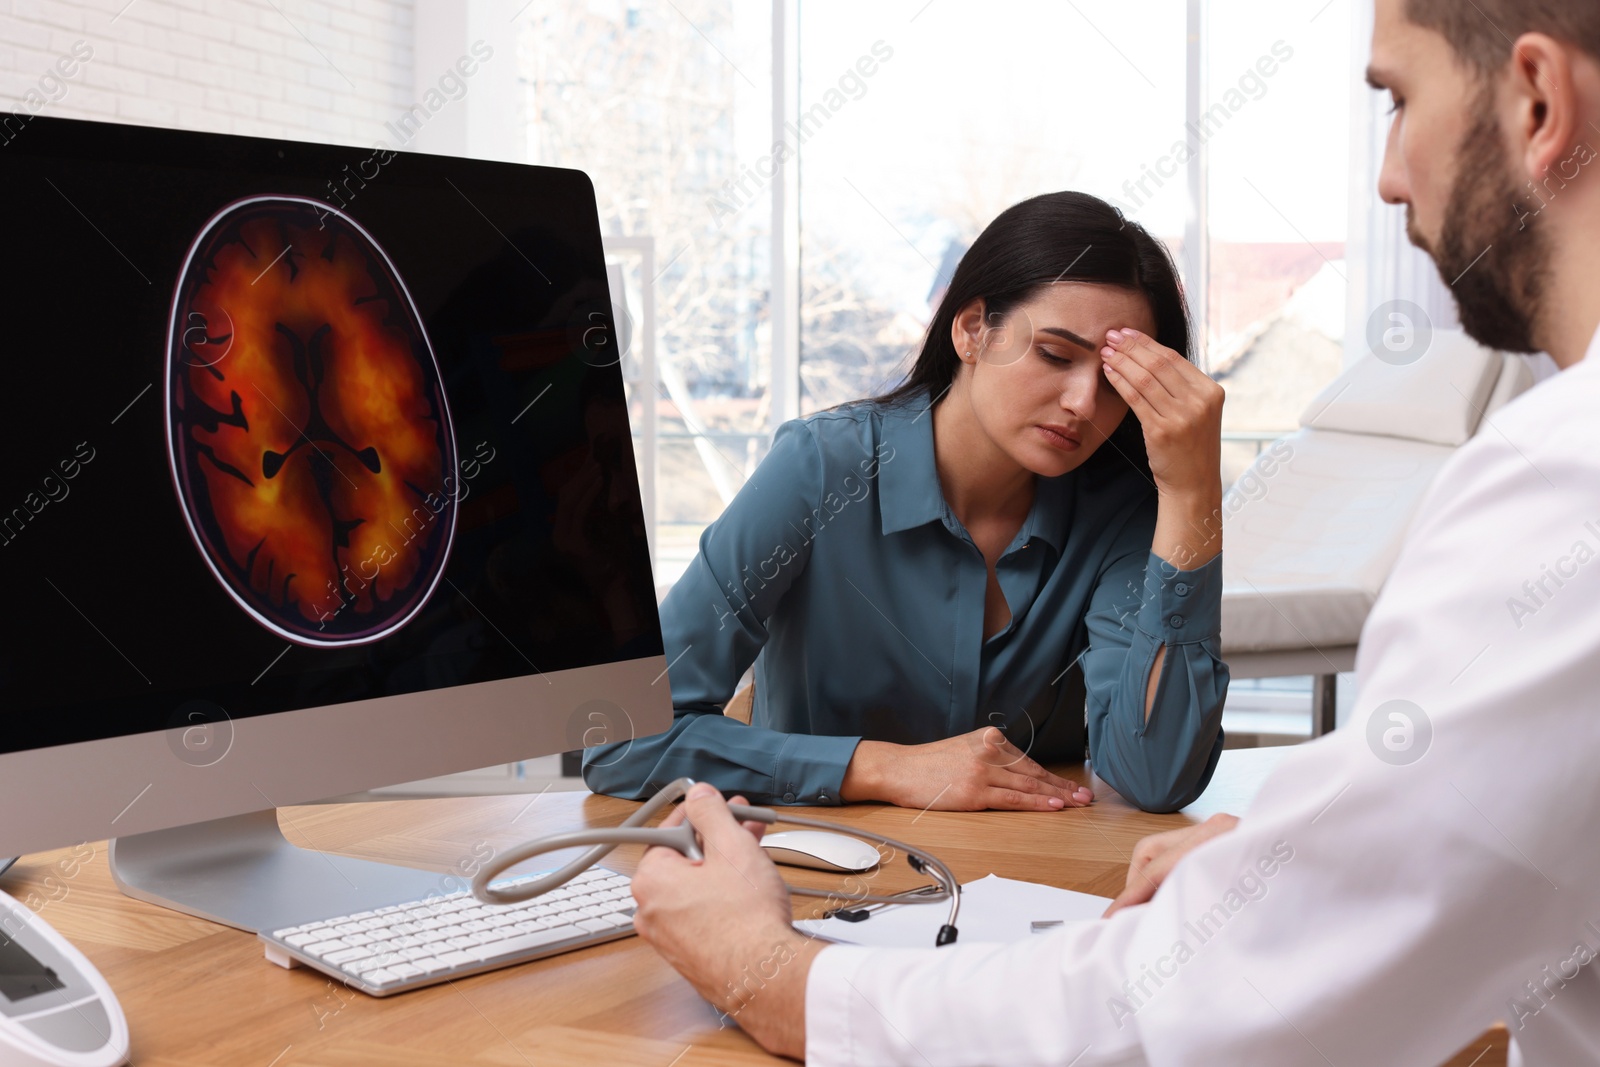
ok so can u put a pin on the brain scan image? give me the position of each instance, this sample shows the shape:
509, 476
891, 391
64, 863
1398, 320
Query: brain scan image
307, 424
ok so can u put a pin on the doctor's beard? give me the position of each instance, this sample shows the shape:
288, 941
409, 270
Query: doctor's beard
1493, 260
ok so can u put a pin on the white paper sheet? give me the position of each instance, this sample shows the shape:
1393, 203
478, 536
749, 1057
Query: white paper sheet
992, 909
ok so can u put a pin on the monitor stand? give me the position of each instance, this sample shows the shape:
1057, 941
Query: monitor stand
240, 871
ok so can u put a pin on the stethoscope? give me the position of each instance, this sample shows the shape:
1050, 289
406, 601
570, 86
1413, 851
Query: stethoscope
684, 839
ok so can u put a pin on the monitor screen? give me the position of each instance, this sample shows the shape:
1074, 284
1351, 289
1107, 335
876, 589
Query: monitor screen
293, 425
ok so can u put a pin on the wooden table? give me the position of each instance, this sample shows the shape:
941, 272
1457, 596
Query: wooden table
201, 995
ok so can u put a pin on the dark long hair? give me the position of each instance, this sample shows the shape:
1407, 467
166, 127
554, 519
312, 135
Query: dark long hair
1065, 236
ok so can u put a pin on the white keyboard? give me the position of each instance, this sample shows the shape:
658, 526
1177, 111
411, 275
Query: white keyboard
404, 946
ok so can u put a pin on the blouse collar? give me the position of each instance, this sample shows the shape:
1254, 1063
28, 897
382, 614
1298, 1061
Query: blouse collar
908, 481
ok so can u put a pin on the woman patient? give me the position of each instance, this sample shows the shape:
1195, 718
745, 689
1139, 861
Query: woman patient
915, 575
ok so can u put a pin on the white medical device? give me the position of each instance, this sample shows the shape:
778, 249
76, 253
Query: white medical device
55, 1008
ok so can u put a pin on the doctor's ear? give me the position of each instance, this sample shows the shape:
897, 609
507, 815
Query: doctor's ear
1546, 106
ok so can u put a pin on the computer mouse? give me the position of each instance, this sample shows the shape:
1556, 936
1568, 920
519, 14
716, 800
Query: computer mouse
820, 850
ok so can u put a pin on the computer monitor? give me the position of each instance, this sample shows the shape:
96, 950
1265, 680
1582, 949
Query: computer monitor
318, 477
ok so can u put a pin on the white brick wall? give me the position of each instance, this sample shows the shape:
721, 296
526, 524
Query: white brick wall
316, 70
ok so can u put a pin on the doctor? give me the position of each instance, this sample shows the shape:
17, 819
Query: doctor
1429, 869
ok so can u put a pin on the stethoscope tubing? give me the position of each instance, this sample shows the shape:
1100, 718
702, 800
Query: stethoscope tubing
682, 838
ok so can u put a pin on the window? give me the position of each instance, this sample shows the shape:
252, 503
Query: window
939, 121
912, 124
1277, 193
667, 106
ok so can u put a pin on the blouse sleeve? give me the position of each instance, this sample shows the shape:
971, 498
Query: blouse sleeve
1140, 604
713, 625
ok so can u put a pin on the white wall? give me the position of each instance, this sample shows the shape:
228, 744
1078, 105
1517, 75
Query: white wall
320, 70
466, 68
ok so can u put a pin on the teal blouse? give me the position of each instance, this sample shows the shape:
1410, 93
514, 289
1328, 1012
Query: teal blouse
839, 570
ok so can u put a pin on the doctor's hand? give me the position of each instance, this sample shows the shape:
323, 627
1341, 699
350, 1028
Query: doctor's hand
968, 772
724, 923
1156, 855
